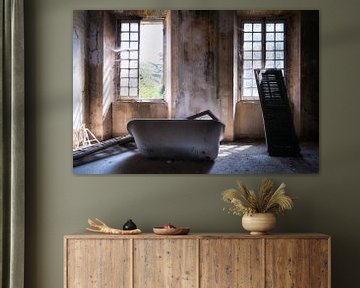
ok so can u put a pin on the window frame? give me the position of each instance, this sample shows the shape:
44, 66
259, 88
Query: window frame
118, 68
119, 23
263, 21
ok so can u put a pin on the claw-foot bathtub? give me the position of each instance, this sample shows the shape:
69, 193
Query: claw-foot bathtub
178, 139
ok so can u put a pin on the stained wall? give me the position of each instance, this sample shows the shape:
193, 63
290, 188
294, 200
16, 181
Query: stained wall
79, 68
124, 111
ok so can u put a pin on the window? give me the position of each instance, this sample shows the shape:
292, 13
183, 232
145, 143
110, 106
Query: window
263, 46
139, 59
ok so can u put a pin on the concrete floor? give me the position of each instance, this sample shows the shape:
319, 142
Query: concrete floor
233, 158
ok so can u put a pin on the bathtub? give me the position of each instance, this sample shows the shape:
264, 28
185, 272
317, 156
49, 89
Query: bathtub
177, 138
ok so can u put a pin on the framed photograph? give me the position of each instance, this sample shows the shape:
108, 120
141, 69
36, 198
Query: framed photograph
195, 91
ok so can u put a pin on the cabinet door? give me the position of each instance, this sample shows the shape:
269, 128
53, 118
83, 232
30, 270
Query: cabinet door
231, 263
164, 263
98, 263
287, 263
320, 263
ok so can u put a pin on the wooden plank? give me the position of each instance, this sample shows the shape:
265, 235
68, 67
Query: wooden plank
80, 153
165, 263
98, 263
319, 263
89, 235
197, 260
231, 263
65, 262
198, 263
287, 263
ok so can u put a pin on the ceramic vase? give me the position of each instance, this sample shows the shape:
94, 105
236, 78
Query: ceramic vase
259, 223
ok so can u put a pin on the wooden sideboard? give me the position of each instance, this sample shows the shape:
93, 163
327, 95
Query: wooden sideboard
197, 260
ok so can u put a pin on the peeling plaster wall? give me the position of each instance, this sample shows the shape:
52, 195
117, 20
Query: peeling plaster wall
101, 41
248, 121
79, 68
225, 63
201, 54
196, 74
124, 111
310, 75
108, 73
95, 68
293, 71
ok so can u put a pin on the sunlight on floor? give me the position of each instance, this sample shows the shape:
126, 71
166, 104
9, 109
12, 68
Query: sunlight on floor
228, 150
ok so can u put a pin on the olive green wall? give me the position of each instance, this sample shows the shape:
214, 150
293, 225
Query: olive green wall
59, 202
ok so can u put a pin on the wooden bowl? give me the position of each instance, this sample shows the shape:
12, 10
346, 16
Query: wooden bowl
171, 231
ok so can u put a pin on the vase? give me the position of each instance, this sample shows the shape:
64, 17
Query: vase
129, 225
259, 223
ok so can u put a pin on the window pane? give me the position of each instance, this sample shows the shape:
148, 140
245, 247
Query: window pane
133, 55
248, 27
269, 36
269, 64
124, 82
133, 64
134, 36
247, 36
124, 26
257, 55
279, 55
279, 45
124, 91
124, 64
247, 83
256, 64
257, 46
279, 64
134, 27
124, 73
133, 82
248, 73
133, 92
255, 92
257, 27
257, 36
133, 45
270, 46
133, 73
279, 26
279, 36
124, 45
269, 27
247, 55
124, 55
270, 55
247, 92
247, 46
247, 64
124, 36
